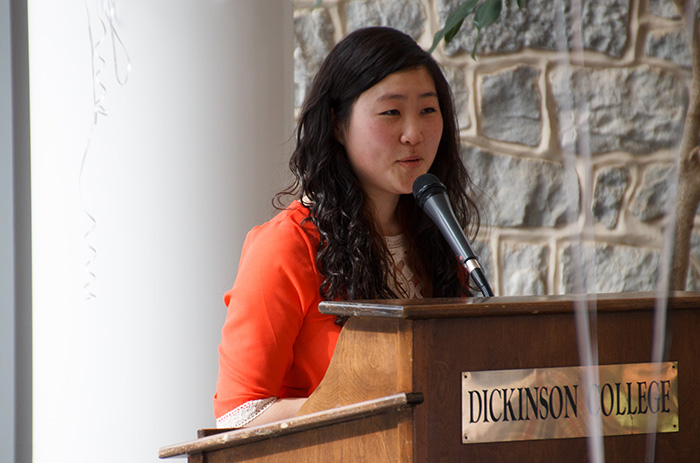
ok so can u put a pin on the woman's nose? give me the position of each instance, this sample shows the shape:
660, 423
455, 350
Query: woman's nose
412, 132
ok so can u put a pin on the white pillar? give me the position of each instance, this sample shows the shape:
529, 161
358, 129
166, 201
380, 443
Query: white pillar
185, 162
7, 297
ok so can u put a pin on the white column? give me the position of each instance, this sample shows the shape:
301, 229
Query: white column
183, 164
7, 315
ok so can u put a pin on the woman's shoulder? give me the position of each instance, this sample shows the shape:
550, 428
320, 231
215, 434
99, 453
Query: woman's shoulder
290, 228
294, 217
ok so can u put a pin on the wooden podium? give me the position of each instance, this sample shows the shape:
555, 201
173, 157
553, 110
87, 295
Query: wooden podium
392, 392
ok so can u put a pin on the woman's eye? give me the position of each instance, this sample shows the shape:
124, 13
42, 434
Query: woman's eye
391, 112
429, 110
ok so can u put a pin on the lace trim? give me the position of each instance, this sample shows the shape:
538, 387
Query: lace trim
244, 414
407, 285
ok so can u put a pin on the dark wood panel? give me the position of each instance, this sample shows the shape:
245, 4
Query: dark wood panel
545, 340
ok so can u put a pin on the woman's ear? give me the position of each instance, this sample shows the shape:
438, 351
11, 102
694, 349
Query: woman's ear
338, 132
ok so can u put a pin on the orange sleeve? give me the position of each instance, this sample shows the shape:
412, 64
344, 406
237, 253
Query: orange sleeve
273, 330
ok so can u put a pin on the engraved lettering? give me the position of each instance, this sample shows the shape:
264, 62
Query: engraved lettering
629, 400
571, 400
494, 418
556, 390
619, 400
665, 395
654, 398
543, 402
611, 399
473, 394
507, 406
642, 396
530, 400
486, 406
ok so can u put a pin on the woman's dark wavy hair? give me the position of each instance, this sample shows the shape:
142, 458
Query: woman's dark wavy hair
352, 255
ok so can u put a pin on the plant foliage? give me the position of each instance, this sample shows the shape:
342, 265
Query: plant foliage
485, 14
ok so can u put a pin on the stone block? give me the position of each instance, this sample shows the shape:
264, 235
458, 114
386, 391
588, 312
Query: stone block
655, 194
510, 105
610, 186
669, 45
638, 109
664, 9
695, 244
313, 40
607, 268
458, 83
604, 27
693, 281
524, 269
667, 9
407, 16
523, 192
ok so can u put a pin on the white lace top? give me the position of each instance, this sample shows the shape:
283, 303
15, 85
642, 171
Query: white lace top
244, 414
407, 286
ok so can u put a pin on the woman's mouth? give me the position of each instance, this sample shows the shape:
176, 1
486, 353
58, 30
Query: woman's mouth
410, 162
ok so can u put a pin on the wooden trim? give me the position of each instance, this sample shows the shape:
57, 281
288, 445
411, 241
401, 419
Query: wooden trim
294, 425
417, 309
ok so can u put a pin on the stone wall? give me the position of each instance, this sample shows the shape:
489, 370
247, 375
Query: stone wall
573, 137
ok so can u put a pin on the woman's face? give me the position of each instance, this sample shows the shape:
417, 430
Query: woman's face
393, 133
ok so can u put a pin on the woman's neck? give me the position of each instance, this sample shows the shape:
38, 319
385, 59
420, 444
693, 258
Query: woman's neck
386, 216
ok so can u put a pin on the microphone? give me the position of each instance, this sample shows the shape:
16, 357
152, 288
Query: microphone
431, 196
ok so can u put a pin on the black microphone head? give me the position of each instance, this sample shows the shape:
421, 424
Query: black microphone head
426, 186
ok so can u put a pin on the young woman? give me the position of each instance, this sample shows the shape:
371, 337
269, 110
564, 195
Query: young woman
379, 114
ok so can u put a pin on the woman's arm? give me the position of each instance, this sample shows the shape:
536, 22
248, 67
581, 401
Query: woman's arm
281, 409
263, 352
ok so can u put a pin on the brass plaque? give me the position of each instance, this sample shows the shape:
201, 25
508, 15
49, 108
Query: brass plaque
558, 403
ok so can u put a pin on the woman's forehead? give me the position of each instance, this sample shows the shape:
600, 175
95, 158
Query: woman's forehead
401, 84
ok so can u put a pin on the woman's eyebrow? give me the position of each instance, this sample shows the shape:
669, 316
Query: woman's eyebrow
401, 96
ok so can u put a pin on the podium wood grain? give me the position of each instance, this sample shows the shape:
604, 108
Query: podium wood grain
388, 348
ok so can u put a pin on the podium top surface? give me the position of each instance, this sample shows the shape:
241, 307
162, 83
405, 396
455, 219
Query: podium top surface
510, 305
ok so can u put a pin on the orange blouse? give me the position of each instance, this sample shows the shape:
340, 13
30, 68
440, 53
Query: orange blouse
275, 342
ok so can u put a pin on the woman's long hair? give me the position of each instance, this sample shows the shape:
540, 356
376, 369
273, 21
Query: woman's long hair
352, 256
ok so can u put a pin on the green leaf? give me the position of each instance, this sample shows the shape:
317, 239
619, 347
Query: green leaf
476, 42
451, 33
453, 23
487, 13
